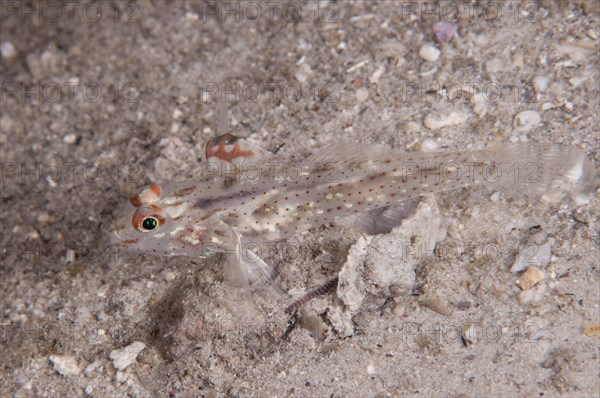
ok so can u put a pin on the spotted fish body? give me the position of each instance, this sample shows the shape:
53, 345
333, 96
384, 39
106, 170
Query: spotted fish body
246, 197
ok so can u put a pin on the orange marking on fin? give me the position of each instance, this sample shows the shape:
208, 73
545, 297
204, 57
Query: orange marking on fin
221, 153
135, 199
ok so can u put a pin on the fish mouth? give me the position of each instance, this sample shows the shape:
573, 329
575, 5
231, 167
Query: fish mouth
115, 238
122, 242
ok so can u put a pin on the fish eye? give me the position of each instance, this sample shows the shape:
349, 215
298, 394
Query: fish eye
149, 223
148, 218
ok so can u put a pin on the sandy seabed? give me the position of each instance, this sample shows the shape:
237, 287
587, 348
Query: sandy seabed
100, 98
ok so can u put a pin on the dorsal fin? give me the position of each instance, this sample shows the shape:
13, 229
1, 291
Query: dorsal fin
348, 152
233, 150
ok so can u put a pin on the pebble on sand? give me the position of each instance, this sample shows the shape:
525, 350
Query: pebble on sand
494, 65
429, 145
70, 138
444, 31
531, 277
429, 53
7, 50
362, 94
541, 256
437, 304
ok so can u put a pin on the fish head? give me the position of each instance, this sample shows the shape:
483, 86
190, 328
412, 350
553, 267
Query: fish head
165, 222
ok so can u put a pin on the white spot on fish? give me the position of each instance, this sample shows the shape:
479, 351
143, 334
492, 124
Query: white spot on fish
176, 211
170, 200
179, 228
191, 239
216, 240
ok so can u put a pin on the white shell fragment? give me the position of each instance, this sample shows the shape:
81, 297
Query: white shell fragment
375, 268
351, 293
376, 75
469, 335
362, 94
533, 295
541, 82
439, 120
371, 370
527, 120
65, 365
126, 356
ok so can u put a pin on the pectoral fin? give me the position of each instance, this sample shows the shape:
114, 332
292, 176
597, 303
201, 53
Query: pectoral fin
244, 270
383, 219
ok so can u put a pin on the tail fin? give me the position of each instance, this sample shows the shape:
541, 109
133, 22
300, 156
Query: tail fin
542, 171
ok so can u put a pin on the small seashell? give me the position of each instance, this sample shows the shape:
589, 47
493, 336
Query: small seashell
429, 53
